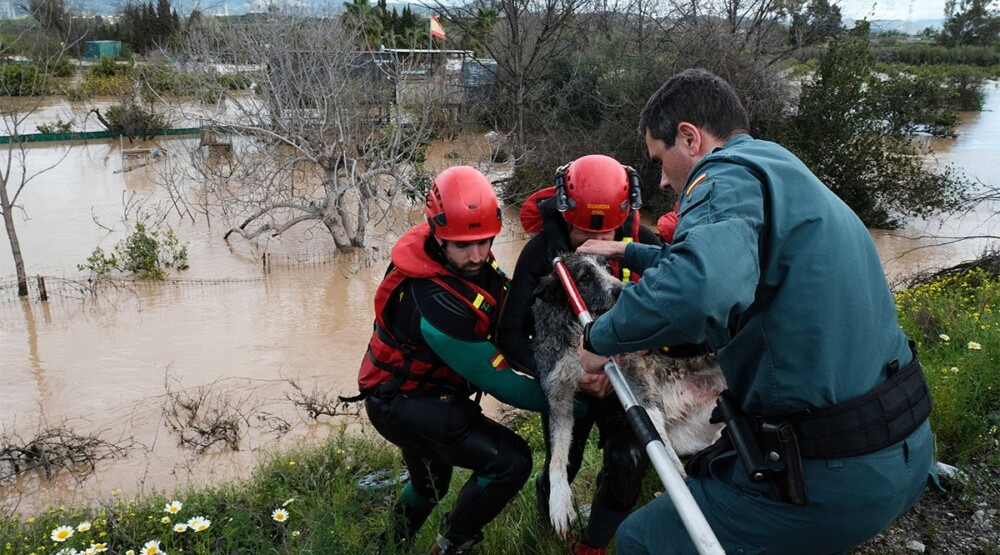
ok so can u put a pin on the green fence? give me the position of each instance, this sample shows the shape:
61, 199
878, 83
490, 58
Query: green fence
85, 135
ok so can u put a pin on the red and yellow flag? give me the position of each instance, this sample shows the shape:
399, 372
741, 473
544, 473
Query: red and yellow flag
437, 31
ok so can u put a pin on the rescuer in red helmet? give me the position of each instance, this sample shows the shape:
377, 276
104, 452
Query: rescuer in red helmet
594, 197
429, 354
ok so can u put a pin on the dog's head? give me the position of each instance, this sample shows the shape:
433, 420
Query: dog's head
597, 286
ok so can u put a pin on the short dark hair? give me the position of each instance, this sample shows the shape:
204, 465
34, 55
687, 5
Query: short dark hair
698, 97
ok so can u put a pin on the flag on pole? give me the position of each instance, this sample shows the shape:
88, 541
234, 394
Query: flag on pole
437, 31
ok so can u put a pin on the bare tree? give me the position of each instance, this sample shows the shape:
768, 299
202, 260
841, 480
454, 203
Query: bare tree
27, 87
525, 38
321, 136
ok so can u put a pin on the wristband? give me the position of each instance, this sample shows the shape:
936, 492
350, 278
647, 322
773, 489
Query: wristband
586, 338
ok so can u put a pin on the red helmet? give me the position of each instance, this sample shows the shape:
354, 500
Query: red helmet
462, 206
596, 190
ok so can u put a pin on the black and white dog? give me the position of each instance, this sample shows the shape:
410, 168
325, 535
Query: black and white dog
679, 394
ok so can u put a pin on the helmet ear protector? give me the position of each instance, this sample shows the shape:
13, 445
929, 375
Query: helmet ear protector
634, 191
564, 203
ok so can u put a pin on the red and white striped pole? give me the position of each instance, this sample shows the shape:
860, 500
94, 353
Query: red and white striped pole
694, 521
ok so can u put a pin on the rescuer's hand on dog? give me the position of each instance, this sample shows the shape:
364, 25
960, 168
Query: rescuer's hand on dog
592, 363
595, 385
609, 249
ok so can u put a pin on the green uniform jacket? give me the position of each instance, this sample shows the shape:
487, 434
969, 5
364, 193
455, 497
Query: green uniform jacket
772, 270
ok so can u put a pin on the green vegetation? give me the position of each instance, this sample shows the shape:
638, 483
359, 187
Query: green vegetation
55, 126
852, 129
926, 53
27, 79
304, 501
380, 26
970, 23
145, 253
956, 324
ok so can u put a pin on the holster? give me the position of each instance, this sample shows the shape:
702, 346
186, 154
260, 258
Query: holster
770, 453
781, 453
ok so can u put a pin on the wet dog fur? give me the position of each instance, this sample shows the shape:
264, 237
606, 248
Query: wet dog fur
679, 394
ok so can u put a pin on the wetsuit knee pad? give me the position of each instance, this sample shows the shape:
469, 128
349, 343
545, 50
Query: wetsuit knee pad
417, 501
619, 482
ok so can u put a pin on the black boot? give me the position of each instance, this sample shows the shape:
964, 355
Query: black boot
447, 544
444, 546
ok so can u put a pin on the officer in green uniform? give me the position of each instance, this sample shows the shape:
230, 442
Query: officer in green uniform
782, 280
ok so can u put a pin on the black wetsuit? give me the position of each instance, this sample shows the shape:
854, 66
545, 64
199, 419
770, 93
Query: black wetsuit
440, 427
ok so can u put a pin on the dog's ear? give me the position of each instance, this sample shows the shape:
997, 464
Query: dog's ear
550, 290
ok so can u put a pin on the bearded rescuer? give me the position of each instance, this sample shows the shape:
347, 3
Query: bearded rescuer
430, 353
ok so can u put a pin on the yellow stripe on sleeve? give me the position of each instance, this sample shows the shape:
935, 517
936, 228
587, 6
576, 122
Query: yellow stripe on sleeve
695, 183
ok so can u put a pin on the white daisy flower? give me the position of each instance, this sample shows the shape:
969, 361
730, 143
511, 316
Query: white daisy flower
944, 337
173, 507
974, 346
152, 547
180, 527
199, 523
99, 547
61, 534
280, 515
83, 526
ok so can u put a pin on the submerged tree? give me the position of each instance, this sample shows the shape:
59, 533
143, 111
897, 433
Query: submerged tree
321, 137
25, 89
525, 38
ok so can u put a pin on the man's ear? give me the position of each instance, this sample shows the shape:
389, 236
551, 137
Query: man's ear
689, 137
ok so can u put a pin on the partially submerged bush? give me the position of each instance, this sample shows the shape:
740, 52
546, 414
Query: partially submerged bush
146, 253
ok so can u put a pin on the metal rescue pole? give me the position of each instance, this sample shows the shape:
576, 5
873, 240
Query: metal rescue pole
694, 521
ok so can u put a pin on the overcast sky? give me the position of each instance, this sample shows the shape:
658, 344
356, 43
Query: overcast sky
892, 9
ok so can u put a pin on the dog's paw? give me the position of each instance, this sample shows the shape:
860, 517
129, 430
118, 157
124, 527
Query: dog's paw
561, 512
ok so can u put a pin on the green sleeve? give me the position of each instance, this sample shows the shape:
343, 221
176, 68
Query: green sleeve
473, 361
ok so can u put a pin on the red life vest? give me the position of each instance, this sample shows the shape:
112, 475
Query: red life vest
394, 365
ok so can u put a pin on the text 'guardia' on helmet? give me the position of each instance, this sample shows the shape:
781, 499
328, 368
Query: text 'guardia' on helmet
592, 193
462, 206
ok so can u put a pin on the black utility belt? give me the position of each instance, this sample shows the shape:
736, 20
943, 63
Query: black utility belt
885, 415
772, 449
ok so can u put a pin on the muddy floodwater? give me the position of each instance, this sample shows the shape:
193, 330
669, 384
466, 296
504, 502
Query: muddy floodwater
225, 331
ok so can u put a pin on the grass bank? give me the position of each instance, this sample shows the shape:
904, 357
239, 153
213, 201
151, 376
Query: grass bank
310, 501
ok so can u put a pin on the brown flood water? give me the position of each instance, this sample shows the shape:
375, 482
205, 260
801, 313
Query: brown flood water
104, 365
